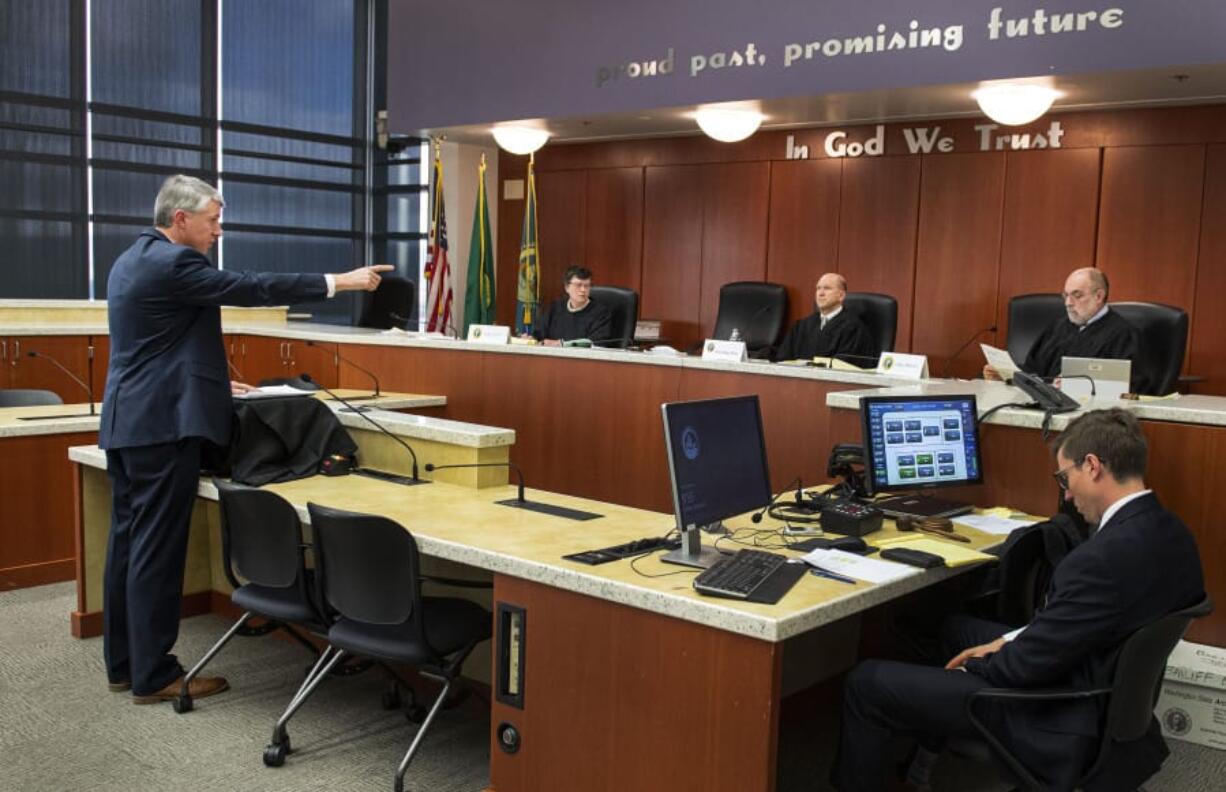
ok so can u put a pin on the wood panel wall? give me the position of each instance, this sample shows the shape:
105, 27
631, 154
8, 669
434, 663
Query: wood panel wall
953, 236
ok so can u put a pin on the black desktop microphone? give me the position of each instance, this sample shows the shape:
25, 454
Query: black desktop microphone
949, 363
757, 516
89, 390
407, 321
431, 467
1093, 389
521, 502
362, 413
365, 371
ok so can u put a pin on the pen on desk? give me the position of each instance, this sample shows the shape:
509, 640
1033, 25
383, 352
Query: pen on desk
825, 573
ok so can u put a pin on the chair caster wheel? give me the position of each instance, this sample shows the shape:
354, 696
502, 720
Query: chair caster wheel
182, 704
274, 754
391, 699
415, 713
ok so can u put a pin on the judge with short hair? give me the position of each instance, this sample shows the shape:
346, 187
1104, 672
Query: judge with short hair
830, 331
1090, 330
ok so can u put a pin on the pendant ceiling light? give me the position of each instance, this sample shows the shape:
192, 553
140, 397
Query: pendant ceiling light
728, 124
1013, 104
520, 139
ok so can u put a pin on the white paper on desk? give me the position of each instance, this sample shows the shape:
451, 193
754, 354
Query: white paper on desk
992, 524
870, 570
272, 392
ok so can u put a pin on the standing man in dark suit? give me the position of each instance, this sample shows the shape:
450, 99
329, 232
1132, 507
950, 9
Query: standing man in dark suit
1139, 565
167, 391
831, 330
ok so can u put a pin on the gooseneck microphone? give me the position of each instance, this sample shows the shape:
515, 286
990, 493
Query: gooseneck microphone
1093, 389
431, 467
949, 363
521, 502
757, 516
89, 389
407, 321
365, 371
362, 413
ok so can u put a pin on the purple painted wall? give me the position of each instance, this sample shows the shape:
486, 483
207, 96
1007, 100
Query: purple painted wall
456, 62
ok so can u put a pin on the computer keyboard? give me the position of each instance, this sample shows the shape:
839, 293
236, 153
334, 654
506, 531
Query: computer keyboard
740, 575
616, 552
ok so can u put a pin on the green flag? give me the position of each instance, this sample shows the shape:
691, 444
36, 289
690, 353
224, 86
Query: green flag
528, 293
479, 289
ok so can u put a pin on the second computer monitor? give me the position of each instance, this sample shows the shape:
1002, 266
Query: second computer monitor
912, 442
716, 463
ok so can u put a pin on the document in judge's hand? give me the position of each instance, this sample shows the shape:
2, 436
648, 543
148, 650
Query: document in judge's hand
1000, 360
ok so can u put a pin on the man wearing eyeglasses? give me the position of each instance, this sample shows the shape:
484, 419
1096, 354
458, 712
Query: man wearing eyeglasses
1091, 330
1140, 564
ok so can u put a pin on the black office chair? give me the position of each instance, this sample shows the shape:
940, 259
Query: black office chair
26, 397
1163, 337
757, 310
624, 305
369, 571
264, 558
390, 305
879, 312
1029, 316
1135, 685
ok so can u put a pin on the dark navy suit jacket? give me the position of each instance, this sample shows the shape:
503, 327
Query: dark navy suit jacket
167, 378
1142, 565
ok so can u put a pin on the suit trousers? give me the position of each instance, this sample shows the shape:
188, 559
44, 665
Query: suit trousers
883, 698
153, 490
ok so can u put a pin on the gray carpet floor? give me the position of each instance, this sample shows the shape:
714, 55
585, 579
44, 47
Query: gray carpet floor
60, 729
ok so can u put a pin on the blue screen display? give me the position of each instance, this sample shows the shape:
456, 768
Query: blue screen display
921, 442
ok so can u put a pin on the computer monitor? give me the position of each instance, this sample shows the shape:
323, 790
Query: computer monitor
717, 466
919, 442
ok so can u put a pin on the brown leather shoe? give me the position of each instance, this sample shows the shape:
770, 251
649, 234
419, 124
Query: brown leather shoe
119, 687
198, 688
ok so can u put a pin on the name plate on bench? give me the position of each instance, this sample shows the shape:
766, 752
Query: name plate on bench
729, 351
489, 334
896, 364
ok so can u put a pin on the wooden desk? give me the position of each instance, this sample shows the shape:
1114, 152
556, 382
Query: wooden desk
37, 542
616, 663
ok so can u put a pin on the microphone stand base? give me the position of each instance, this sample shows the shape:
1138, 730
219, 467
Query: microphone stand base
550, 509
395, 478
366, 397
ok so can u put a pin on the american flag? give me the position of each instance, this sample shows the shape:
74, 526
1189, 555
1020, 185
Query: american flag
438, 269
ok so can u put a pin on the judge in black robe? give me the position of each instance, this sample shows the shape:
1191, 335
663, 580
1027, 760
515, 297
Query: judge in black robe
574, 315
843, 335
1107, 336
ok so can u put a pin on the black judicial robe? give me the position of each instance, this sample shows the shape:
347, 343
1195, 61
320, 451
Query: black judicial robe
594, 322
1110, 337
844, 337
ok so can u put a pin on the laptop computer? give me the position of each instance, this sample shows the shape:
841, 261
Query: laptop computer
1110, 377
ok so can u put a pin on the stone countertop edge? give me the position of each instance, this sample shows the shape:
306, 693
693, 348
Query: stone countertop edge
709, 612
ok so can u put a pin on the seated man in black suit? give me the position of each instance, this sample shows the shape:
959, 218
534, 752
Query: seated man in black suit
830, 331
575, 315
1092, 330
1140, 564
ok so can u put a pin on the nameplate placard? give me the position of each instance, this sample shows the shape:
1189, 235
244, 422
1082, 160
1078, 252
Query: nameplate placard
896, 364
489, 334
728, 351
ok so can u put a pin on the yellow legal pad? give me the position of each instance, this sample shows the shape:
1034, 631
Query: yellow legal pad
955, 554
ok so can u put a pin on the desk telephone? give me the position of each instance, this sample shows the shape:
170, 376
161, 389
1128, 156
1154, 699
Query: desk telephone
1046, 397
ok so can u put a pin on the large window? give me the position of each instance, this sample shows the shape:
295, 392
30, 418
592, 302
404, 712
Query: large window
270, 99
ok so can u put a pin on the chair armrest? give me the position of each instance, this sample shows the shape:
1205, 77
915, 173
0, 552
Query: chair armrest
1036, 694
459, 582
